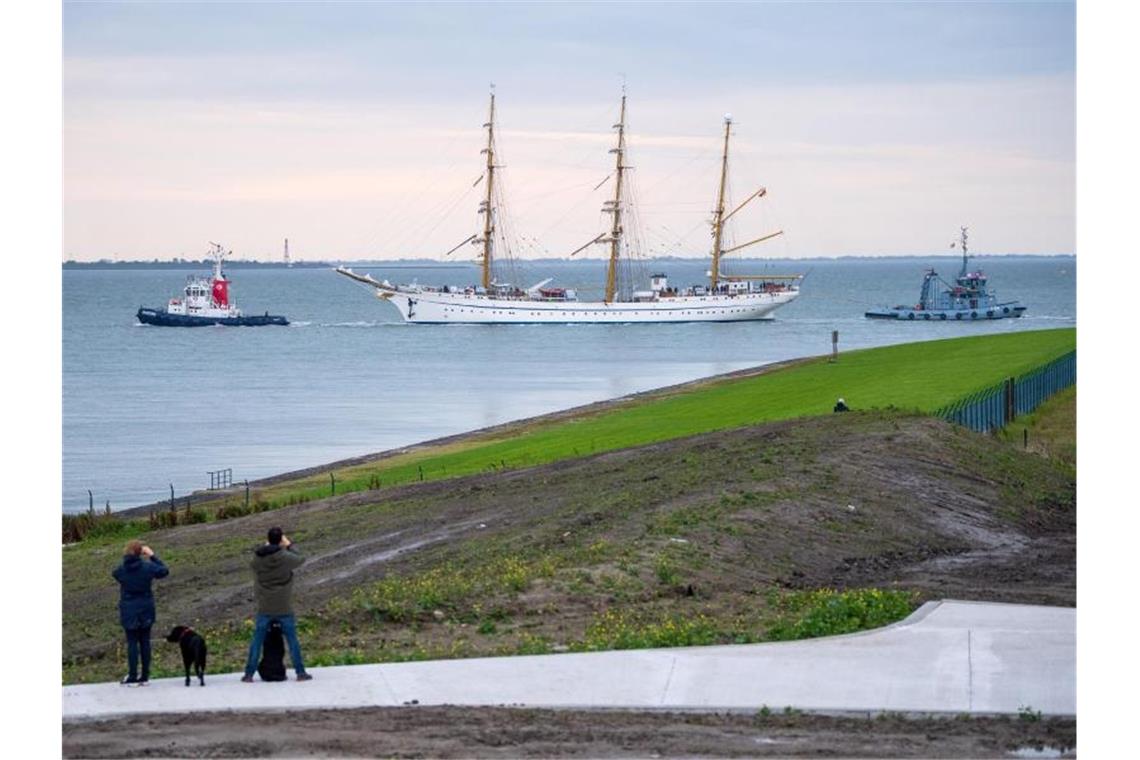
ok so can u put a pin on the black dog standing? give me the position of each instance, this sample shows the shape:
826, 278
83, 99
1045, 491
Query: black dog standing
193, 648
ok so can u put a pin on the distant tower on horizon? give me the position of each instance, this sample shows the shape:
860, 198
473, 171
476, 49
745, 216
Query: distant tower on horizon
288, 263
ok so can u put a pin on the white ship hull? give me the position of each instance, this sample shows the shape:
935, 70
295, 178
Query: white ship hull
460, 308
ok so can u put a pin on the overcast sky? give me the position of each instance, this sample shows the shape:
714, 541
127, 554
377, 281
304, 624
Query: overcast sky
354, 129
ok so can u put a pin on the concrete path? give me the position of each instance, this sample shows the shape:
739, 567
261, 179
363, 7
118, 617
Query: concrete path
952, 657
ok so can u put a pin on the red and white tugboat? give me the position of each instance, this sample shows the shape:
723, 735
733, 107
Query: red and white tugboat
206, 301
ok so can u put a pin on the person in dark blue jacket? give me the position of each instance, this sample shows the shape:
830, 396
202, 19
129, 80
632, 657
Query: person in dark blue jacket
140, 566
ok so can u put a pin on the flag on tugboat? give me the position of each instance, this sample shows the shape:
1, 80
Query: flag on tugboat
221, 293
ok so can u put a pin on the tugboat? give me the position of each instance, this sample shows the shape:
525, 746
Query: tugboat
966, 300
205, 301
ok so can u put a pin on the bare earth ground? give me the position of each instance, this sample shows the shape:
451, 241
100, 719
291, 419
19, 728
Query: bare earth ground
699, 526
504, 732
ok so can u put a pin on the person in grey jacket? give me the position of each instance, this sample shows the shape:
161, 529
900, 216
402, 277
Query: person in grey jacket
273, 565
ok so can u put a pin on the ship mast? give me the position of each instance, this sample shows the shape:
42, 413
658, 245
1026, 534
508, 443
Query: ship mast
614, 207
718, 215
485, 206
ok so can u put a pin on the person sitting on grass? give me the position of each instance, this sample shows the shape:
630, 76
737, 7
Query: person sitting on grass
273, 564
840, 406
139, 567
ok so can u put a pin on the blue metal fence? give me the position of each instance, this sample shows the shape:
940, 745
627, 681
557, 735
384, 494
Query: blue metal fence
1032, 388
997, 405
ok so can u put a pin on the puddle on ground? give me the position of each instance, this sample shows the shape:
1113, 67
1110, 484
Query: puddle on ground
387, 554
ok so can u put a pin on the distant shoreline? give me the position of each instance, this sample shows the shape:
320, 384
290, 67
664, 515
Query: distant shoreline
436, 264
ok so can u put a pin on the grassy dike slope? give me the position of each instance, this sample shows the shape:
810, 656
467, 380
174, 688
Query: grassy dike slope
916, 376
726, 536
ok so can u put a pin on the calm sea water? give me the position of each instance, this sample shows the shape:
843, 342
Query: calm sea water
148, 407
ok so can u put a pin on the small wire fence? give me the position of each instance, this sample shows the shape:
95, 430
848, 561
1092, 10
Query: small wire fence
996, 406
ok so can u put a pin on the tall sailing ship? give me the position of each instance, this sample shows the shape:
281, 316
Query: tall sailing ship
726, 298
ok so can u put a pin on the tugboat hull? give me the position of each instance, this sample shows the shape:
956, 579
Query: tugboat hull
163, 318
1000, 311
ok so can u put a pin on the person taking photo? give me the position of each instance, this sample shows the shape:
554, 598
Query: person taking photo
140, 566
273, 564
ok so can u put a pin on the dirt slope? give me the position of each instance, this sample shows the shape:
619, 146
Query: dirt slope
706, 526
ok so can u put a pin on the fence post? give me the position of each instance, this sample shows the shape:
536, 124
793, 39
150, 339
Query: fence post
834, 346
171, 497
332, 477
90, 502
247, 495
1010, 410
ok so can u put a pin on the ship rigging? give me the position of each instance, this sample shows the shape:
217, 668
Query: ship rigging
726, 298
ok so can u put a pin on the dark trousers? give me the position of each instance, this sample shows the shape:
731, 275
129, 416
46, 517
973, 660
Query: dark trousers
138, 641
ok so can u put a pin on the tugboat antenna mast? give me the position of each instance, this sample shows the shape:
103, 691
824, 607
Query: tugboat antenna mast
965, 256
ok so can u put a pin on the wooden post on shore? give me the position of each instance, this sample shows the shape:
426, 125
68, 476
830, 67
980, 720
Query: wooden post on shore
90, 502
247, 487
834, 346
171, 497
332, 478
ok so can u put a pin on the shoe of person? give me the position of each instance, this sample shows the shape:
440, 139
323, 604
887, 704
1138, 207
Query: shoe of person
304, 677
247, 679
143, 683
128, 681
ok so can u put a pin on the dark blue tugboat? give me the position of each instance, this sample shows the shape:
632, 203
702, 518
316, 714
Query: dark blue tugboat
966, 300
205, 301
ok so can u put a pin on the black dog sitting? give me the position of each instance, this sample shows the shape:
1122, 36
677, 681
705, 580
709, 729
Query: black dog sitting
193, 651
272, 665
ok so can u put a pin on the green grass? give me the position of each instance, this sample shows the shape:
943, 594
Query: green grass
1050, 429
920, 376
914, 376
828, 612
